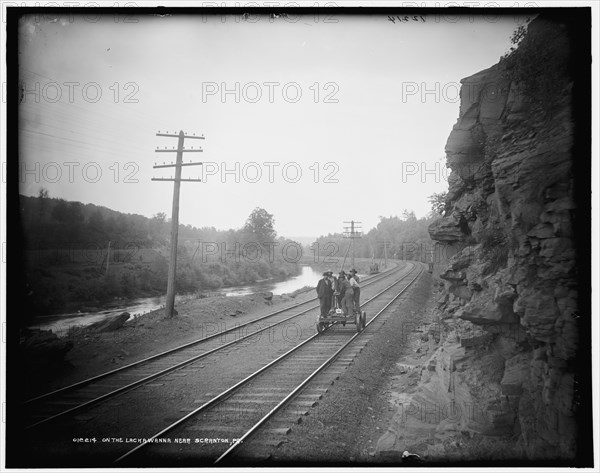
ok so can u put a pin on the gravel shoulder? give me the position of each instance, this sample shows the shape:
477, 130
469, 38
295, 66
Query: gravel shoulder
150, 334
163, 401
96, 353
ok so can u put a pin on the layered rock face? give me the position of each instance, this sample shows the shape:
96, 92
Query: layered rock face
510, 296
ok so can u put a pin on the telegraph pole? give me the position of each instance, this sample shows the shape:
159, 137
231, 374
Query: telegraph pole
171, 289
352, 232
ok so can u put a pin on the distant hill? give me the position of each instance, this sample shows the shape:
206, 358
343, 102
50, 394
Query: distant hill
54, 223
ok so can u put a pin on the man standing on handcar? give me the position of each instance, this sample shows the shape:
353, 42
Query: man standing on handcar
324, 294
356, 287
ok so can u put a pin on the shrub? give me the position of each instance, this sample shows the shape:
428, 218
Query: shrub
539, 63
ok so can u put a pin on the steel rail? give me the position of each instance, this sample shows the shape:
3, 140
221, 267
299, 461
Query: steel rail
272, 412
175, 367
225, 394
187, 345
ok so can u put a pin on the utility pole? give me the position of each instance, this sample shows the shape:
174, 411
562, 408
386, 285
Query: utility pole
352, 232
170, 303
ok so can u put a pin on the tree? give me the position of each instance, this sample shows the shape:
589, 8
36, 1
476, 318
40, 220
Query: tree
43, 197
438, 202
96, 221
260, 224
60, 212
160, 217
409, 215
75, 212
157, 225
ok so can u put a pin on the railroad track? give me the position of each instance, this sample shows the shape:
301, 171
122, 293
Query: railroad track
74, 398
275, 396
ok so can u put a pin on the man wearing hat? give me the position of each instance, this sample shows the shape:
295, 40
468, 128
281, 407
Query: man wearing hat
347, 293
324, 293
337, 288
331, 288
354, 281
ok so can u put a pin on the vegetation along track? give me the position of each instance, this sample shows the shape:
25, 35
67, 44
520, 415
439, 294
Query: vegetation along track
84, 394
276, 395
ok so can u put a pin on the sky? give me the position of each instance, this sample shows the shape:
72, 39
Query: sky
318, 122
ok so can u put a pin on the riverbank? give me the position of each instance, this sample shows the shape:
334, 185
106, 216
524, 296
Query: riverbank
60, 324
54, 289
94, 353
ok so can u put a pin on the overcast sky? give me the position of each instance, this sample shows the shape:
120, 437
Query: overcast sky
346, 95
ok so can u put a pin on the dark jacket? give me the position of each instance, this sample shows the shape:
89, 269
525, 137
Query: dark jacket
323, 288
345, 287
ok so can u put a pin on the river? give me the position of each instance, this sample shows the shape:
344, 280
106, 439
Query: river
60, 323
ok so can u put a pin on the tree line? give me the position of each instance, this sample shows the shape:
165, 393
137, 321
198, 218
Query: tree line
67, 263
404, 237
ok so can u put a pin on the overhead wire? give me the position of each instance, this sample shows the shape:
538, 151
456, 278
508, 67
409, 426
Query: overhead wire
109, 142
99, 116
79, 143
42, 117
96, 104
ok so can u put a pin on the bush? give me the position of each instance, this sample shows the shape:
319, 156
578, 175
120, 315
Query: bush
539, 63
212, 281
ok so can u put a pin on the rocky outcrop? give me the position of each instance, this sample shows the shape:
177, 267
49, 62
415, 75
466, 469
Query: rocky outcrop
511, 292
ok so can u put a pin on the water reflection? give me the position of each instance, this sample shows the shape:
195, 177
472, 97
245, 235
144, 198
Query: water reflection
308, 277
61, 323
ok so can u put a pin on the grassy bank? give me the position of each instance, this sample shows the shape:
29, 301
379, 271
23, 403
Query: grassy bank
62, 288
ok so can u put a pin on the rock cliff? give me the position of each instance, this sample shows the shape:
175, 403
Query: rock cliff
510, 311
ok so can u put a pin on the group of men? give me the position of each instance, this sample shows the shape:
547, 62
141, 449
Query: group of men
341, 292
